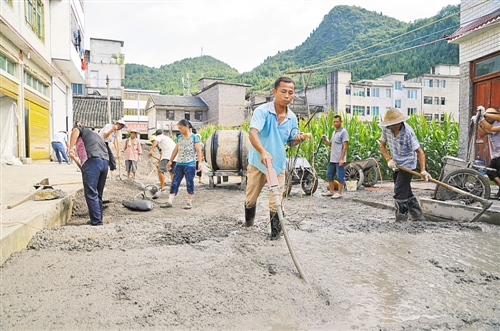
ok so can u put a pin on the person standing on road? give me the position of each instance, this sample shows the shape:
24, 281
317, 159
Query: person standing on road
166, 146
108, 133
133, 152
95, 164
489, 125
188, 151
60, 144
273, 124
405, 150
338, 154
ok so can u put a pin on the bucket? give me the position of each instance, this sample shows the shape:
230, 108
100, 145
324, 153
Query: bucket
351, 185
227, 150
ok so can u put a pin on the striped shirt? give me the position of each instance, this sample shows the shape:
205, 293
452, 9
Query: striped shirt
403, 147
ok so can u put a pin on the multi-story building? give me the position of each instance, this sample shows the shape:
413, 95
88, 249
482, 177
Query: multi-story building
134, 109
479, 41
41, 55
431, 95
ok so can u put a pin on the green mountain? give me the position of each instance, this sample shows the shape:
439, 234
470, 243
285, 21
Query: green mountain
349, 37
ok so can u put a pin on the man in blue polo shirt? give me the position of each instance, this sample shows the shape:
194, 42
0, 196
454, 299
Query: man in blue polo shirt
273, 124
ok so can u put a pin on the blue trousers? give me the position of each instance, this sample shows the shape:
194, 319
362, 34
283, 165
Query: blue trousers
181, 171
94, 173
59, 150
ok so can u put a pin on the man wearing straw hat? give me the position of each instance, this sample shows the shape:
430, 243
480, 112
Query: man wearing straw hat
489, 124
405, 150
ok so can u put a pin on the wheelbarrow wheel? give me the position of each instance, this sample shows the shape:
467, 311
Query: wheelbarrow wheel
355, 173
468, 180
371, 177
310, 183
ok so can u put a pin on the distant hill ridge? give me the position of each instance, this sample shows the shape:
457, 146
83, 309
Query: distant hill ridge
341, 41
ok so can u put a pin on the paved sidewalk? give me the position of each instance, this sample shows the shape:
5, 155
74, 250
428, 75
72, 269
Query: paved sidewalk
19, 224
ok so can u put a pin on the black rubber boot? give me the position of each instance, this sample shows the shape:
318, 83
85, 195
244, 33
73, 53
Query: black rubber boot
401, 210
275, 225
415, 210
249, 215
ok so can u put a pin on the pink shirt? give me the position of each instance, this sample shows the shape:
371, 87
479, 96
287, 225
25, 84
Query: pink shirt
80, 151
132, 149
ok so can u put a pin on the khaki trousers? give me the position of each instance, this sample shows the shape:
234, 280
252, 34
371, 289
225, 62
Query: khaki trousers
255, 182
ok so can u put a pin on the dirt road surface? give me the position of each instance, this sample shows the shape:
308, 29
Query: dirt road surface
200, 269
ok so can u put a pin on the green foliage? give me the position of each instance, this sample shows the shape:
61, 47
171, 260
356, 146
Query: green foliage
437, 139
208, 129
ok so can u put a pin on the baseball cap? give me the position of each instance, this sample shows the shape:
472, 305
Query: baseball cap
122, 122
158, 132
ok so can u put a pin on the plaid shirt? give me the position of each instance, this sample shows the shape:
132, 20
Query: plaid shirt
403, 147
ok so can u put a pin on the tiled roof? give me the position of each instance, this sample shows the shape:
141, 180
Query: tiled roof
476, 25
178, 101
92, 111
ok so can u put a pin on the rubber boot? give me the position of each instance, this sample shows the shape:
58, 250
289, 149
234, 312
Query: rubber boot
401, 210
415, 210
249, 215
275, 225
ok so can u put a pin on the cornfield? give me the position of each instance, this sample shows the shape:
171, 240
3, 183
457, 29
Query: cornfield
437, 139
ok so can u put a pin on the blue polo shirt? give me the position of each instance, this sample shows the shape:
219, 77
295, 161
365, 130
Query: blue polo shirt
272, 136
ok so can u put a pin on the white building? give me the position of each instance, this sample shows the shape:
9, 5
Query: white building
479, 52
432, 94
41, 52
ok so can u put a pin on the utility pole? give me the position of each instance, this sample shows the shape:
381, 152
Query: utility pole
109, 100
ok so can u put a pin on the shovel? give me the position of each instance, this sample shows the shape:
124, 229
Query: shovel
43, 184
484, 202
272, 182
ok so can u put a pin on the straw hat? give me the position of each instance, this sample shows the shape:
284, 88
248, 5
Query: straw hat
492, 111
134, 131
393, 116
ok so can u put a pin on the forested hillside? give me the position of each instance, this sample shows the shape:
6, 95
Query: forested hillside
349, 37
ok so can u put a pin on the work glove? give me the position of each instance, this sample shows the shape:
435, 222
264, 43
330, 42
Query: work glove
426, 175
473, 119
392, 164
482, 110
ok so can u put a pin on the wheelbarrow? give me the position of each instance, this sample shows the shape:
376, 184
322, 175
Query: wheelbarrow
364, 172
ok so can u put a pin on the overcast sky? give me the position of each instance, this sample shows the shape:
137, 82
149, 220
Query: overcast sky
241, 33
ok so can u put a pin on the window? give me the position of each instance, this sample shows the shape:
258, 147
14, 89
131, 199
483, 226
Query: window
35, 83
427, 100
198, 116
367, 110
367, 92
187, 115
412, 111
375, 111
428, 117
412, 94
397, 86
436, 82
428, 82
358, 110
375, 92
443, 101
359, 92
348, 89
7, 65
170, 115
34, 16
348, 109
388, 93
443, 83
487, 66
436, 117
436, 100
397, 103
77, 88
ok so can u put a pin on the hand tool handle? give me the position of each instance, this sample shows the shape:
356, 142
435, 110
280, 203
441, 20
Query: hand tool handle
484, 202
12, 205
272, 179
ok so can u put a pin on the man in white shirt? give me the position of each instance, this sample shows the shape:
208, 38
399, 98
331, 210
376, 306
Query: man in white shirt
60, 144
166, 145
